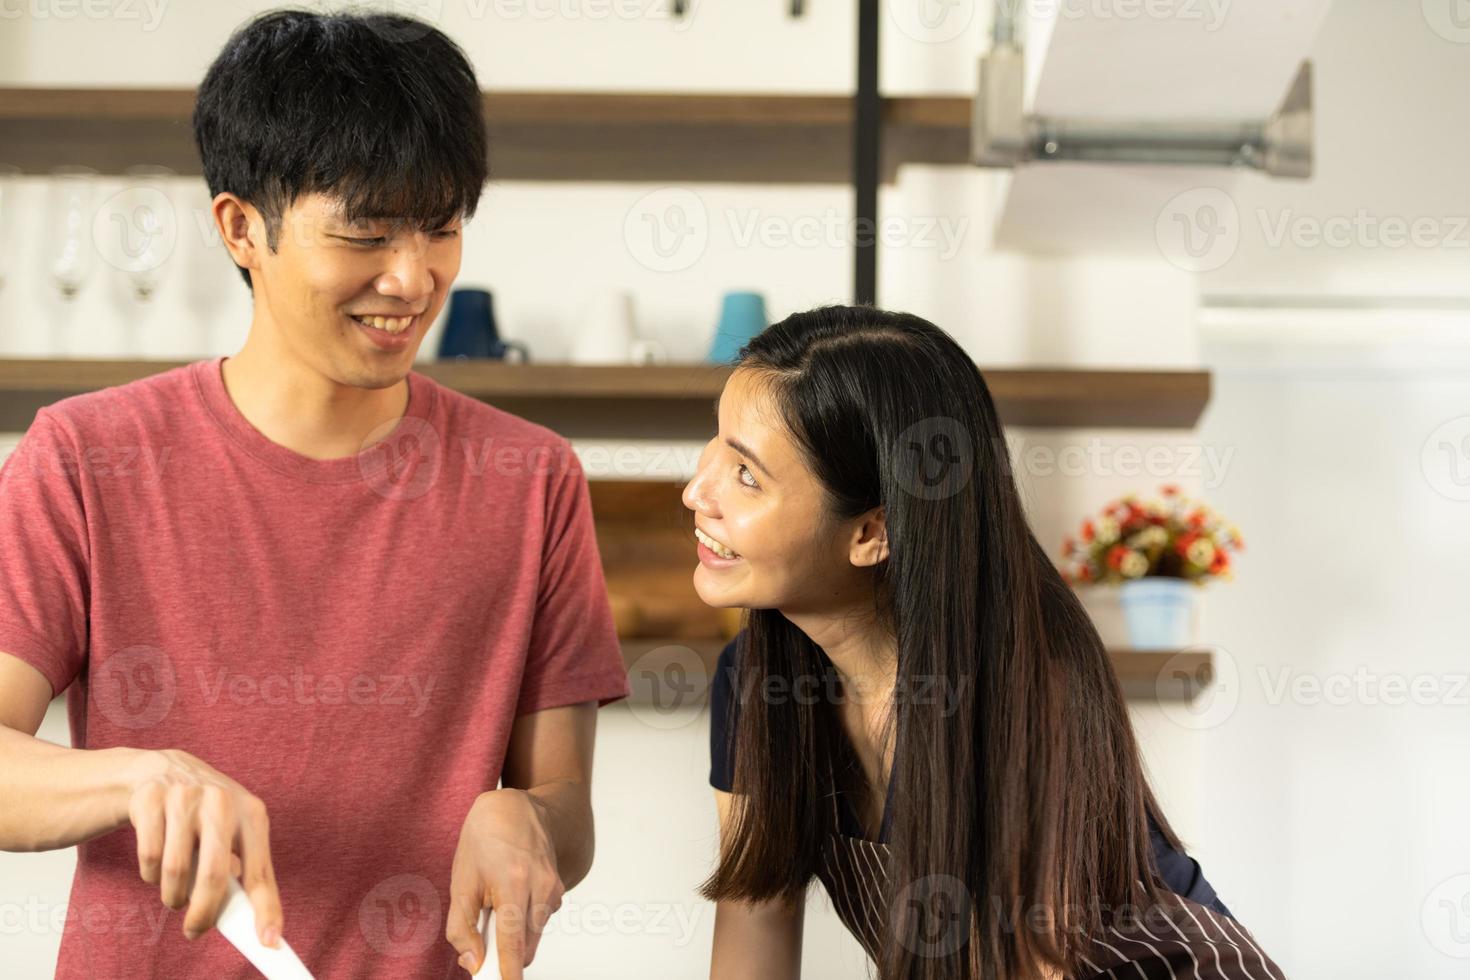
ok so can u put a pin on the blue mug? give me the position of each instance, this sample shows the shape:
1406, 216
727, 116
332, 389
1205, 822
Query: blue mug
470, 330
742, 317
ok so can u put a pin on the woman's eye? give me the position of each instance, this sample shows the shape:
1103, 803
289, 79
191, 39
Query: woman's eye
370, 242
744, 472
446, 234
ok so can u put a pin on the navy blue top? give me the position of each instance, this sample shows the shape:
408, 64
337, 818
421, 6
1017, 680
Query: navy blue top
1179, 872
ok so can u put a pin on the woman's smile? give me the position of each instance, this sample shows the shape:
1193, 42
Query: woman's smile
714, 552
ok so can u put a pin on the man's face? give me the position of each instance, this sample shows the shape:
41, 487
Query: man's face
327, 273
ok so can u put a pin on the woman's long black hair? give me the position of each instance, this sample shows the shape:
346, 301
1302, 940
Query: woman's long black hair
1023, 790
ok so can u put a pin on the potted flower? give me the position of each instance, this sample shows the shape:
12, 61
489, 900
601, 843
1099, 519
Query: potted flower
1159, 552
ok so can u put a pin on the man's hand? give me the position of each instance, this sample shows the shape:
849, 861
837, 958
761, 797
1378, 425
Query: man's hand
195, 828
506, 860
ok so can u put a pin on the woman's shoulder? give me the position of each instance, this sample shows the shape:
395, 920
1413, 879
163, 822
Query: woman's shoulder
729, 655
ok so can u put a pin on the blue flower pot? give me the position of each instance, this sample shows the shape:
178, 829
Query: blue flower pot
1157, 612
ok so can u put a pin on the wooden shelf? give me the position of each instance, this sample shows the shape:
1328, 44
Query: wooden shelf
674, 401
683, 667
642, 136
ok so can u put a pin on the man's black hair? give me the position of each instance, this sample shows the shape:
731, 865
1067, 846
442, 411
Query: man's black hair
379, 111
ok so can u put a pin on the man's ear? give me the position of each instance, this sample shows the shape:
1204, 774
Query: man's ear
240, 227
870, 539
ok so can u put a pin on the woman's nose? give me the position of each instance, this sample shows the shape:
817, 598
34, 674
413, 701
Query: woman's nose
697, 495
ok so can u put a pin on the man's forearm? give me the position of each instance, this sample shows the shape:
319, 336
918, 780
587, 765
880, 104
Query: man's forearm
566, 809
56, 796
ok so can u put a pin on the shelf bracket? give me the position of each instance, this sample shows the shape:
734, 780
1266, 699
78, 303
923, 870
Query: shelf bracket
1003, 135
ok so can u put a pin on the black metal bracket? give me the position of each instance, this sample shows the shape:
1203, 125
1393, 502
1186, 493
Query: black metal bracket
866, 152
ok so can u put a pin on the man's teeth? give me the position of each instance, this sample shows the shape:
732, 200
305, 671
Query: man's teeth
389, 324
714, 545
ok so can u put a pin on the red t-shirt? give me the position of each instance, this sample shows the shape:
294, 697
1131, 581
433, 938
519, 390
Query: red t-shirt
350, 639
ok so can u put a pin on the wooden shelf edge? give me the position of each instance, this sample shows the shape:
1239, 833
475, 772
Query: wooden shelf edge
671, 673
541, 107
1042, 397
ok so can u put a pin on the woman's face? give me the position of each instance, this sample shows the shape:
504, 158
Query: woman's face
754, 495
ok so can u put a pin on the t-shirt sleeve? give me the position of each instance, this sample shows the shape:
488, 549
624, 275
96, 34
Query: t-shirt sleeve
724, 711
44, 554
1181, 873
575, 654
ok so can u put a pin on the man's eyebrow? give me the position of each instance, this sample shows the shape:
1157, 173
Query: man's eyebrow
744, 450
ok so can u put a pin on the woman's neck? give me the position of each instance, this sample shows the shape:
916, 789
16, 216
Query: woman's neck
864, 653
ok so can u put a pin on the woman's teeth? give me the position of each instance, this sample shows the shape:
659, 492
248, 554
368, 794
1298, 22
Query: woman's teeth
714, 545
388, 324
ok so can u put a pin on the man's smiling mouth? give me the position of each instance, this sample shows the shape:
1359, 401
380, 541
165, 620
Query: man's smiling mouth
387, 324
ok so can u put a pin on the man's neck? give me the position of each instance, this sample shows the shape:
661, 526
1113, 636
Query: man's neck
296, 406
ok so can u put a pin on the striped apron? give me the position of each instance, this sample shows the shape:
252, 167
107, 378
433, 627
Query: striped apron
1177, 940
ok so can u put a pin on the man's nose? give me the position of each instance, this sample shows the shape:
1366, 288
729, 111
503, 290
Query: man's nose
408, 276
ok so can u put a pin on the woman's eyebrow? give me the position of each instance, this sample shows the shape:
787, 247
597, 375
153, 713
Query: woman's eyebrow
744, 450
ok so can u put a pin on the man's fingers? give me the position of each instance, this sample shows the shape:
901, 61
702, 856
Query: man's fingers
259, 879
541, 913
510, 939
179, 840
145, 810
462, 925
216, 838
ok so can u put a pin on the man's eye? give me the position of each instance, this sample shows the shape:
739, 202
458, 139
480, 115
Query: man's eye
370, 242
449, 233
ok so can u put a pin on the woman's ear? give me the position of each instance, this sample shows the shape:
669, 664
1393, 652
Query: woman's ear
870, 539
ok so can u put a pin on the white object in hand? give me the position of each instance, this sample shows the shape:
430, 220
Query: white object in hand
486, 969
237, 924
